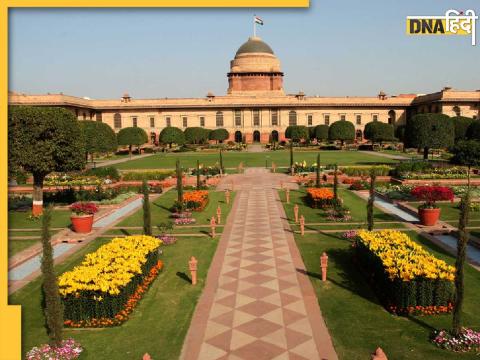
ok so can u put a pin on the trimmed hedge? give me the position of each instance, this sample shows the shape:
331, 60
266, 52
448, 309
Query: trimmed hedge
146, 175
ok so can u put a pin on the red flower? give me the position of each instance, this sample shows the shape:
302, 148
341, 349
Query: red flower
84, 208
430, 194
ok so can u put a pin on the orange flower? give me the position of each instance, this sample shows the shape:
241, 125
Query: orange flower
320, 193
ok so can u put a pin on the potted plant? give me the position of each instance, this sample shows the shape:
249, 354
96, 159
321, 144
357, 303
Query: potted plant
82, 216
429, 212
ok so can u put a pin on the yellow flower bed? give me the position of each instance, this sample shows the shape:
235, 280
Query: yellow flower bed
109, 268
402, 258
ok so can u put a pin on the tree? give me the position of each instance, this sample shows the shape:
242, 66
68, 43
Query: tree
42, 140
222, 169
296, 133
341, 130
218, 135
98, 137
147, 216
317, 172
371, 199
466, 153
291, 157
311, 133
376, 131
179, 185
196, 135
198, 174
461, 124
429, 131
53, 307
473, 131
130, 136
321, 132
172, 135
335, 182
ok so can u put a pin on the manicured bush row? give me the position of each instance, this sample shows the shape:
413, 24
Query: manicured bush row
146, 175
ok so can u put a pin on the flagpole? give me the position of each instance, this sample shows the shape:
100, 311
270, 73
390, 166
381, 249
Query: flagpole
254, 27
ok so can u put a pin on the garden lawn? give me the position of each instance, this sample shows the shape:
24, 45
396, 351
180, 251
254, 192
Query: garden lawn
159, 323
20, 220
15, 246
233, 159
357, 206
160, 209
357, 322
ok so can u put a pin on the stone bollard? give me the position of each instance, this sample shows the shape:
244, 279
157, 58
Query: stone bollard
146, 356
219, 214
274, 167
379, 355
302, 225
213, 225
192, 266
287, 194
295, 212
324, 265
227, 196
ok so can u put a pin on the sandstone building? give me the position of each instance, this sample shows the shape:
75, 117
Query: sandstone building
256, 108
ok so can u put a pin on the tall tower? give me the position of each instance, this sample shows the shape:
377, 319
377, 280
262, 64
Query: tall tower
255, 70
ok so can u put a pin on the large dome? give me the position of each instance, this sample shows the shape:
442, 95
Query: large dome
254, 45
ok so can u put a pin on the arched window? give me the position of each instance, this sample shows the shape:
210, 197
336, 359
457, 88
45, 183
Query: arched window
292, 118
238, 137
219, 119
117, 121
392, 117
456, 110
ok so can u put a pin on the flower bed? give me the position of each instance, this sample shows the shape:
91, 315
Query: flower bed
207, 170
319, 197
72, 180
106, 286
467, 340
195, 200
68, 350
407, 278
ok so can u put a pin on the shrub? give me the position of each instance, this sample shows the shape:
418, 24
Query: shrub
407, 278
218, 135
377, 131
380, 170
359, 185
321, 132
172, 135
297, 133
104, 172
430, 194
473, 131
411, 166
461, 124
130, 136
196, 135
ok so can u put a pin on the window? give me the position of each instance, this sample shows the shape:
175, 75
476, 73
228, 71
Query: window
185, 121
91, 115
256, 117
219, 119
152, 121
117, 121
392, 117
238, 118
134, 121
326, 118
310, 119
359, 119
168, 121
274, 114
98, 116
342, 117
375, 117
292, 118
84, 116
457, 111
202, 121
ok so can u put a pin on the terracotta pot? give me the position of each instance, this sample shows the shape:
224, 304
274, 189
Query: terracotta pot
82, 223
428, 217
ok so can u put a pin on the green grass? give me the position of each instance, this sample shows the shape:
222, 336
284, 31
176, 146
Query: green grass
356, 205
347, 226
20, 220
357, 322
15, 246
450, 212
157, 326
232, 159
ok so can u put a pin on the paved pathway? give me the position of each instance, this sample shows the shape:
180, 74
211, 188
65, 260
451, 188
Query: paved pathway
255, 148
257, 303
385, 155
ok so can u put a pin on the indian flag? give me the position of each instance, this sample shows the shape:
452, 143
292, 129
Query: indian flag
258, 20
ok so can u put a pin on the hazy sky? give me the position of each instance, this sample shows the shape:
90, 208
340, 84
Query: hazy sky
333, 48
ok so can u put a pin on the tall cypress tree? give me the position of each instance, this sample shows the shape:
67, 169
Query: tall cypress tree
291, 155
179, 185
198, 174
317, 180
221, 161
53, 307
335, 182
147, 216
371, 199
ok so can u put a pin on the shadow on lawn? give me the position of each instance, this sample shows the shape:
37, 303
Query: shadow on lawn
184, 276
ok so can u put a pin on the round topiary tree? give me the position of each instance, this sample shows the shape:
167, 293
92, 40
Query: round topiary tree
132, 136
297, 133
461, 124
42, 140
218, 135
473, 131
311, 133
341, 130
376, 131
196, 135
321, 132
172, 135
429, 131
99, 138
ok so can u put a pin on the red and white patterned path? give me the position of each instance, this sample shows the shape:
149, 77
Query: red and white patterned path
257, 304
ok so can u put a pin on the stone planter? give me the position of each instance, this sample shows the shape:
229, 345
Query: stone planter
429, 217
82, 223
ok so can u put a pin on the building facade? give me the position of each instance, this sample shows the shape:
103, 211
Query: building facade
256, 107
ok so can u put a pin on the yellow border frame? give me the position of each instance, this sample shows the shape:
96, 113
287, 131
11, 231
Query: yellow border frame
10, 315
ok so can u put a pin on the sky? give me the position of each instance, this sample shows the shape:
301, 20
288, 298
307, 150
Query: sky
332, 48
